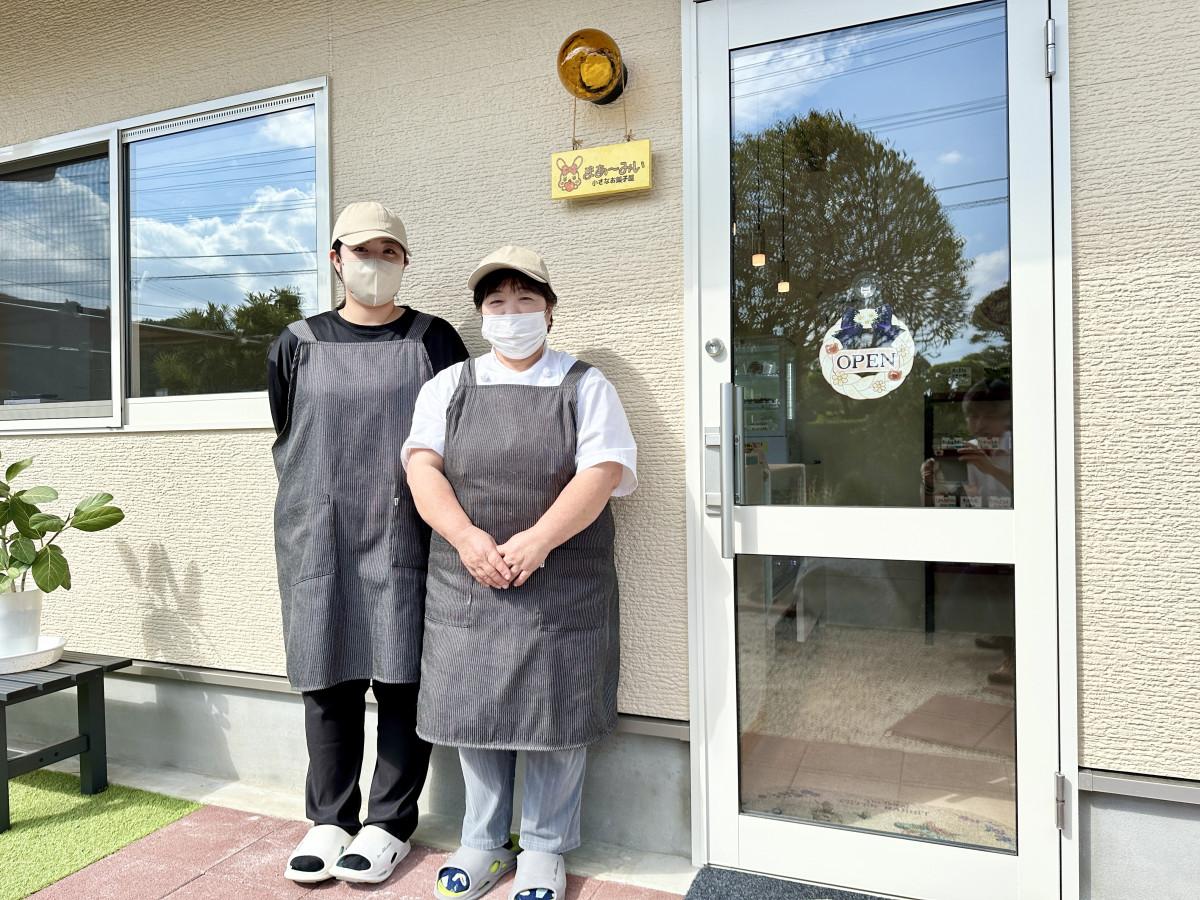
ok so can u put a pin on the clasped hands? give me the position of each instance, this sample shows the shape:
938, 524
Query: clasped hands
501, 566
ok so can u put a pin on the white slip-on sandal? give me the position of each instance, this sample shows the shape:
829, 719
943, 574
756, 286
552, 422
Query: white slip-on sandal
317, 851
371, 857
540, 876
471, 873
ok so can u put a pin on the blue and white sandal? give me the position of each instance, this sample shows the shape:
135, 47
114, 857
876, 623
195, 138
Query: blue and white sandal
470, 873
540, 876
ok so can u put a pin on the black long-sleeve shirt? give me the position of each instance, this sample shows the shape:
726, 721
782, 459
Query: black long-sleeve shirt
441, 341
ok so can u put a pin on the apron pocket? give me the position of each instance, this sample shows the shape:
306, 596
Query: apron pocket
304, 540
449, 587
576, 592
410, 534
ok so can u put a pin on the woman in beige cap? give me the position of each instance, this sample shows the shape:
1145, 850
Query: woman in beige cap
350, 547
513, 458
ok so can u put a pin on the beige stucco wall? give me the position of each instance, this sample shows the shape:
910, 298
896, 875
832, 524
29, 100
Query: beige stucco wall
449, 115
1135, 96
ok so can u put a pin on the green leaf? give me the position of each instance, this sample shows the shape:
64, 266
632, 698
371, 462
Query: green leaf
6, 583
45, 523
5, 490
97, 519
17, 468
39, 494
5, 513
21, 511
50, 570
3, 556
92, 502
23, 550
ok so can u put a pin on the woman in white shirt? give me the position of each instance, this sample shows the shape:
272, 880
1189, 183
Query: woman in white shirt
512, 459
987, 407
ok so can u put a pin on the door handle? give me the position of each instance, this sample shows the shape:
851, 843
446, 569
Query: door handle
739, 444
732, 472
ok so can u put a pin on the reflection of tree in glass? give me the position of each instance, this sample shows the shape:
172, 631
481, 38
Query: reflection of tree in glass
217, 349
992, 317
853, 206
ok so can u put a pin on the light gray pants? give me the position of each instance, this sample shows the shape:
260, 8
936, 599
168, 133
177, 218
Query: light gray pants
549, 809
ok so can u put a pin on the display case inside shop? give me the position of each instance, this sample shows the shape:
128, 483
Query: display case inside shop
765, 370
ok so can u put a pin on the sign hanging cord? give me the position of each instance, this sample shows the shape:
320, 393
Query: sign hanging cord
625, 112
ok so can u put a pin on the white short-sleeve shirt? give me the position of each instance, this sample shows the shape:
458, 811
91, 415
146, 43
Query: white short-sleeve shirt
603, 431
988, 488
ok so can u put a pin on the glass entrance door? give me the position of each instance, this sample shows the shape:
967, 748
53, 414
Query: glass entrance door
878, 571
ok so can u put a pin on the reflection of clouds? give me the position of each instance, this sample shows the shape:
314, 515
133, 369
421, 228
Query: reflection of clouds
276, 221
222, 211
768, 85
950, 158
988, 272
260, 226
293, 128
216, 200
54, 242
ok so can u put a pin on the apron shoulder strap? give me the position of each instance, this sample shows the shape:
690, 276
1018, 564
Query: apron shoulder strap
574, 374
418, 328
466, 378
303, 331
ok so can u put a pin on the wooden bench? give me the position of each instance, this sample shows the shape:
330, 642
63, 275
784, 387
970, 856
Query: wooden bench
84, 671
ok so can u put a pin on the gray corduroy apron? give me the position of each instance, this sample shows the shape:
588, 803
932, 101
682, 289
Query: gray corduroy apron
350, 548
534, 667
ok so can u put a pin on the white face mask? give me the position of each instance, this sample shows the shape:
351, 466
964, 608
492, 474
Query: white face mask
517, 336
373, 282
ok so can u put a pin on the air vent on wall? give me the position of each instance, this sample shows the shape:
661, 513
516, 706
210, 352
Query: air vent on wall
220, 115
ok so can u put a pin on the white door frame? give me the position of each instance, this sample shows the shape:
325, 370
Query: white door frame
711, 715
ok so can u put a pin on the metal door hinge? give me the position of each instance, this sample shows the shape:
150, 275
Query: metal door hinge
1051, 61
1060, 800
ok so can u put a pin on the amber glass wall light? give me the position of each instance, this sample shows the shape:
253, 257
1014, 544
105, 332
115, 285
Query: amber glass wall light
590, 66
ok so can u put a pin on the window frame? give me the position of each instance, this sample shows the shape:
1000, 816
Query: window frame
64, 148
241, 410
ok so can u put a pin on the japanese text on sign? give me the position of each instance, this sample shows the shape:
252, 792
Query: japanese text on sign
590, 171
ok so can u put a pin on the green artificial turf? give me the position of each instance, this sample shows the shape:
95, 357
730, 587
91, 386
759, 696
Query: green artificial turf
56, 830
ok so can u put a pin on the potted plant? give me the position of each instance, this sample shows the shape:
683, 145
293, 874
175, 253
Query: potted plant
29, 550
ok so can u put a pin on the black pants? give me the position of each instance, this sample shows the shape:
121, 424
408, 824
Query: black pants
333, 726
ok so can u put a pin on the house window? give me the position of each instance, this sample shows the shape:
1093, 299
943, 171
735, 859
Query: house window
55, 290
223, 250
160, 280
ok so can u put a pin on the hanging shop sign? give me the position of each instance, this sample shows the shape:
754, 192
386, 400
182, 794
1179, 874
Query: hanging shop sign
868, 354
592, 68
591, 171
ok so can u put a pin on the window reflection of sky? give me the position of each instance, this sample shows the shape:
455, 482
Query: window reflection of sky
54, 234
932, 86
219, 211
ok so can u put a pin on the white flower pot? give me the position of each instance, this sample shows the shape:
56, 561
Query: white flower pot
20, 621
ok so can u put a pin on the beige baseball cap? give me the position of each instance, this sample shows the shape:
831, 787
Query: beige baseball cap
364, 220
511, 256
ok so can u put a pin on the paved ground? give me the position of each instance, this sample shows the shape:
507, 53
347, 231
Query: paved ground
223, 854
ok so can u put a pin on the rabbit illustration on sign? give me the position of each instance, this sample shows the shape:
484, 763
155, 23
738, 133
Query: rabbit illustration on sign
568, 175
